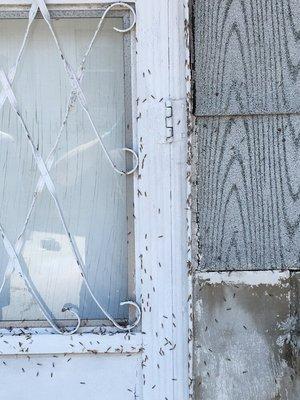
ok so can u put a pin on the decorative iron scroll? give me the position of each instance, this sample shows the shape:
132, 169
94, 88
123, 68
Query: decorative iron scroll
44, 167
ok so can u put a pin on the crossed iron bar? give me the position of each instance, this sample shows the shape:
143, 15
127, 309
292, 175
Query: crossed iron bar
13, 251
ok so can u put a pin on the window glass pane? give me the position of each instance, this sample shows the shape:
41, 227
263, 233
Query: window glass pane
92, 195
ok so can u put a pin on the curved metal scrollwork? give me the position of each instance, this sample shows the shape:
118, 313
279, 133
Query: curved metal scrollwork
44, 167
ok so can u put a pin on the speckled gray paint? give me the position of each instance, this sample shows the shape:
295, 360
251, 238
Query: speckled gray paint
247, 152
247, 203
246, 200
247, 57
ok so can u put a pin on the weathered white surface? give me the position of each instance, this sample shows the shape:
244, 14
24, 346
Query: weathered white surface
40, 341
27, 2
161, 245
160, 209
70, 377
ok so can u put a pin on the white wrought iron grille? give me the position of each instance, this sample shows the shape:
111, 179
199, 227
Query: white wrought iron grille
44, 166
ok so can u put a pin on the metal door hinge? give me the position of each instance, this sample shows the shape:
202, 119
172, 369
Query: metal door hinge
175, 120
169, 121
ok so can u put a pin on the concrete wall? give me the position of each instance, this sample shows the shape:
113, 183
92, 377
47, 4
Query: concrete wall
246, 199
245, 336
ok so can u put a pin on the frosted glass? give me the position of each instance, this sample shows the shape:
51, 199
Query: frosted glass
92, 195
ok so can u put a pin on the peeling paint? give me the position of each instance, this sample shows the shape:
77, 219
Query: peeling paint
246, 277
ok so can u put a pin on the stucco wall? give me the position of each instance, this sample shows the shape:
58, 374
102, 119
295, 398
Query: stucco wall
245, 336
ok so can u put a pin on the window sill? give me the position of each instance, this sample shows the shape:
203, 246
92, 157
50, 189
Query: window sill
42, 341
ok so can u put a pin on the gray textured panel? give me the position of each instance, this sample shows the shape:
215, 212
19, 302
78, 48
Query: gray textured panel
243, 343
248, 193
247, 56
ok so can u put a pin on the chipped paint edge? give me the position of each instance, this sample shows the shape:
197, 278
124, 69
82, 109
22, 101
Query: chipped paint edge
189, 187
251, 278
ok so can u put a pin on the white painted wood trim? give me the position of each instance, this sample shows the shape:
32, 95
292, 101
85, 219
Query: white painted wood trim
154, 245
161, 205
87, 343
179, 86
27, 2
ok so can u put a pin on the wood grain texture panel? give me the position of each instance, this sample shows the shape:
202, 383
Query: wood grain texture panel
248, 193
247, 56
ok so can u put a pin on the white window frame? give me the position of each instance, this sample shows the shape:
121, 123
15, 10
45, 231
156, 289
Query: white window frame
160, 78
